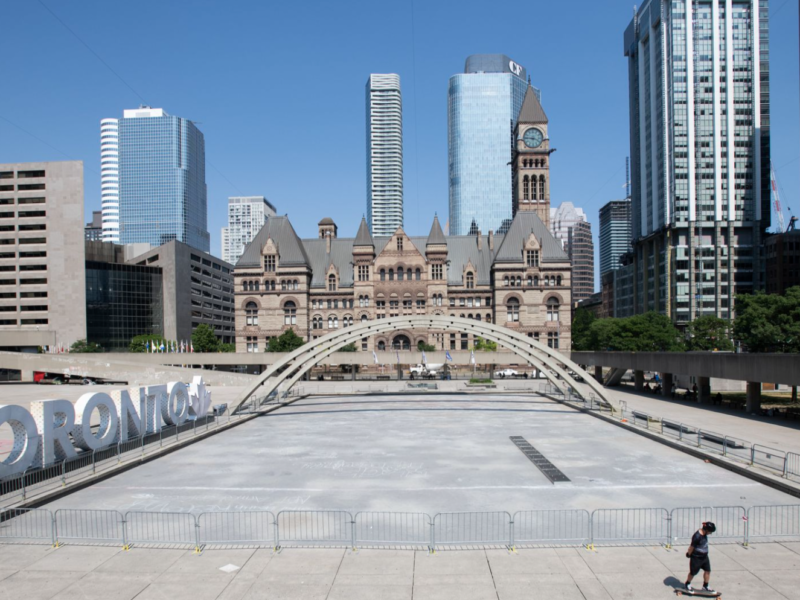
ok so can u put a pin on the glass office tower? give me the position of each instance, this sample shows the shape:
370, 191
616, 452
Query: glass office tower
700, 148
483, 106
162, 181
615, 234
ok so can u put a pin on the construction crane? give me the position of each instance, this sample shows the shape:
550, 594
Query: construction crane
776, 201
792, 221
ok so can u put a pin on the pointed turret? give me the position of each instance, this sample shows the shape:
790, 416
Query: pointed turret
363, 237
531, 111
436, 237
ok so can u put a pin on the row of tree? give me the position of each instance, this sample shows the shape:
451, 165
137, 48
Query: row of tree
762, 323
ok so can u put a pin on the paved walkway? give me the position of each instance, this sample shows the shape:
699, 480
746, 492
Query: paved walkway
767, 572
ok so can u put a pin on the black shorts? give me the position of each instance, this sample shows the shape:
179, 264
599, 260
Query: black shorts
698, 562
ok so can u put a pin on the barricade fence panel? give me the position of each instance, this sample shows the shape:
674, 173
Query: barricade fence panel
472, 528
161, 528
630, 525
769, 457
731, 523
710, 440
738, 448
328, 527
552, 526
793, 465
26, 525
395, 528
773, 522
249, 528
94, 525
11, 489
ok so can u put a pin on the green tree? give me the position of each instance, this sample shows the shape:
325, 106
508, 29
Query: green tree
351, 347
709, 333
483, 345
84, 346
649, 332
426, 347
768, 322
141, 342
204, 339
286, 342
581, 330
227, 348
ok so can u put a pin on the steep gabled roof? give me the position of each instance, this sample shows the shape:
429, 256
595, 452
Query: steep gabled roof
363, 237
531, 111
436, 236
290, 247
526, 222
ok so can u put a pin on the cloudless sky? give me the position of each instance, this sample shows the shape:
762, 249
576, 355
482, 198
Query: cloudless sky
277, 88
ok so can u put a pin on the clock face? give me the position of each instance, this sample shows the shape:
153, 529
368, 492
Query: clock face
533, 138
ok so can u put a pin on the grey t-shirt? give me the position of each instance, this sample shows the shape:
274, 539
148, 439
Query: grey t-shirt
700, 543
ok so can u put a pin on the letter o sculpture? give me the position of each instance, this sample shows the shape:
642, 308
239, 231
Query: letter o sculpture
26, 440
109, 421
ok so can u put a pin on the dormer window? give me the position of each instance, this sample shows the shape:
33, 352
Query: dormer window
331, 282
470, 281
269, 263
532, 258
399, 244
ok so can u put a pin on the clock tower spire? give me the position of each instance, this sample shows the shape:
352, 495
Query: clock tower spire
531, 160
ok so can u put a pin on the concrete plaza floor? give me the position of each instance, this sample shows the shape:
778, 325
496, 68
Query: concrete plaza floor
421, 453
766, 571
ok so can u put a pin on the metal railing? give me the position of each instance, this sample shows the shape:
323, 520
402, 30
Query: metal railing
20, 487
339, 528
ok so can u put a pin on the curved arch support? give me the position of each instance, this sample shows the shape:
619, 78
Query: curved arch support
291, 367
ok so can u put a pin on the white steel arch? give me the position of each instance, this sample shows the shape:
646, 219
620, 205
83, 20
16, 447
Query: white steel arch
554, 365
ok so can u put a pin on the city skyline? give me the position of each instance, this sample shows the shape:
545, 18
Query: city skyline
233, 157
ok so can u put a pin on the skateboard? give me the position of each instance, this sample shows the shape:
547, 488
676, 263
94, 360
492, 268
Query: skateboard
700, 593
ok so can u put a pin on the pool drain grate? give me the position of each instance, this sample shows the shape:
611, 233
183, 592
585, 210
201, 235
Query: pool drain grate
547, 468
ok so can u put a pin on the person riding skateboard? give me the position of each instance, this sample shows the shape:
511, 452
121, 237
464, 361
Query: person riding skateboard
698, 557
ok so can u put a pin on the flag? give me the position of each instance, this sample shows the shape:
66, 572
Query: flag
447, 355
424, 358
472, 357
375, 357
192, 346
162, 347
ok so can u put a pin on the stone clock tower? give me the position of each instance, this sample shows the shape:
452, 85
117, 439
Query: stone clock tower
531, 161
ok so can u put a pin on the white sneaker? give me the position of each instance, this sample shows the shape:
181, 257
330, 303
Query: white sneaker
708, 590
689, 587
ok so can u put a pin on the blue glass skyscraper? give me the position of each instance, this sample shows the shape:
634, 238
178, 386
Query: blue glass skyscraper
483, 106
162, 180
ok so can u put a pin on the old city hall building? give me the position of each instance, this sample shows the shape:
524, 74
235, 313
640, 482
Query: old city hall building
520, 279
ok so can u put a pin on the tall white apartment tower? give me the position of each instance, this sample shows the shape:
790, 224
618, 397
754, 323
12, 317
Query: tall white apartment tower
698, 75
109, 178
384, 154
246, 216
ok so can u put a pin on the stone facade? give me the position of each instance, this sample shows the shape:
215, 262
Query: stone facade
521, 279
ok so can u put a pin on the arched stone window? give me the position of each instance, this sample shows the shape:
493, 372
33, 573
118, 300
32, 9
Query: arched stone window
525, 188
558, 280
530, 281
533, 187
383, 274
536, 280
296, 284
401, 342
505, 281
244, 286
391, 274
364, 318
488, 318
512, 310
519, 281
552, 309
290, 313
283, 285
470, 281
418, 274
541, 187
331, 282
399, 273
381, 345
251, 313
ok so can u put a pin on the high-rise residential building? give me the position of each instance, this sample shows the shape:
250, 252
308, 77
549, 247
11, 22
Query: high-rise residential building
615, 234
246, 217
384, 154
700, 148
484, 104
42, 284
569, 225
94, 228
109, 178
161, 187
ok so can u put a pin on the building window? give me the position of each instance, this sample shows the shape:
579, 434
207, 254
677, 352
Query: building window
381, 345
418, 274
465, 341
532, 258
363, 272
399, 244
552, 309
251, 313
391, 274
541, 194
552, 339
383, 274
252, 344
399, 273
512, 310
525, 188
437, 272
470, 281
269, 263
452, 341
364, 320
364, 345
289, 313
331, 282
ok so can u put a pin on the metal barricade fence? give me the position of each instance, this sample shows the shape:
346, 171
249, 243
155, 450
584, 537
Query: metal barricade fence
467, 528
773, 522
248, 528
34, 479
105, 457
676, 430
325, 527
12, 489
711, 440
630, 525
133, 445
392, 528
89, 525
83, 464
568, 527
768, 457
731, 523
161, 528
27, 525
792, 465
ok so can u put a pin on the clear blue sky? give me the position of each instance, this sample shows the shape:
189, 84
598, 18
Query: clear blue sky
278, 90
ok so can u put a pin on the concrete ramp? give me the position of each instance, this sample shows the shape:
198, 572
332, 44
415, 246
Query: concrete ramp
614, 377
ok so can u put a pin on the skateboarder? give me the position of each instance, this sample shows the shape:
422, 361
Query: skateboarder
698, 557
